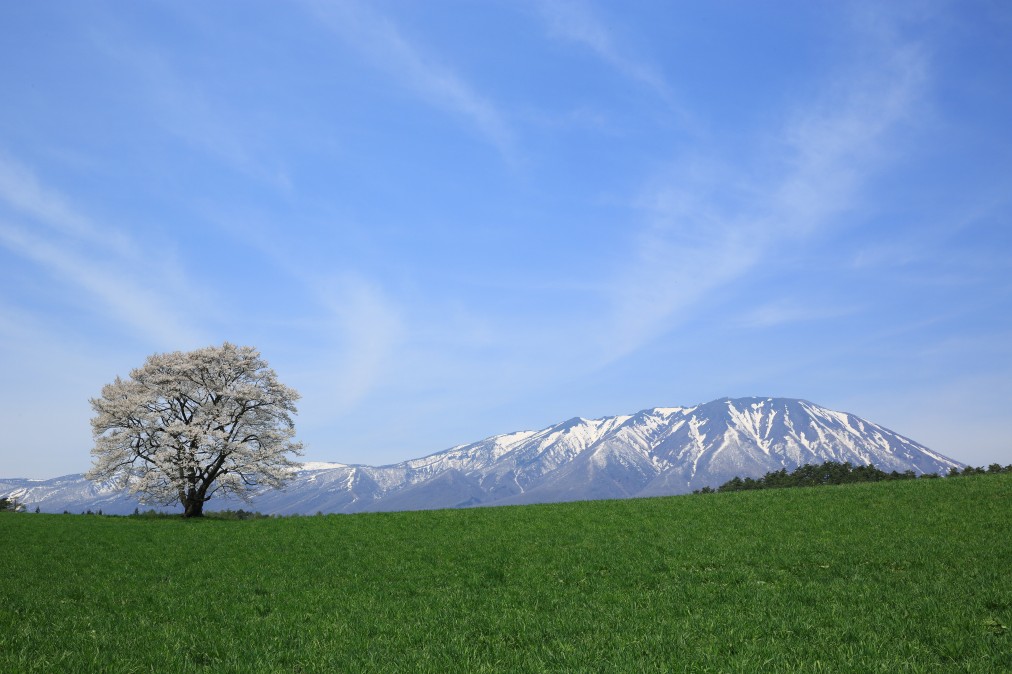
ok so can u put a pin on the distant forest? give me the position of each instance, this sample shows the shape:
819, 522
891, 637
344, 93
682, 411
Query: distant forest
833, 472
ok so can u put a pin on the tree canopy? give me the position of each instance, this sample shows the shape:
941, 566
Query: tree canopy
187, 426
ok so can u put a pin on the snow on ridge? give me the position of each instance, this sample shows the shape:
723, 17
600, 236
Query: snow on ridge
320, 465
669, 411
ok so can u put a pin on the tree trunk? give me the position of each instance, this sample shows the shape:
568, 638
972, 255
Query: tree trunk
194, 509
193, 506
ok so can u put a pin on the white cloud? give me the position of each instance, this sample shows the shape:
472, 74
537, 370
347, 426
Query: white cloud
576, 21
367, 327
831, 148
188, 109
709, 224
117, 290
379, 40
21, 190
786, 311
97, 266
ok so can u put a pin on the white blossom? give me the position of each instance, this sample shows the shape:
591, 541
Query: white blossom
190, 425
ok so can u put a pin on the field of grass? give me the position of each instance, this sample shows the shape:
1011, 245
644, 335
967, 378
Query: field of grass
893, 577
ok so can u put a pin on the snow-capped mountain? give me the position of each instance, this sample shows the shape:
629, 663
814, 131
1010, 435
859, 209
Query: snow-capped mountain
655, 452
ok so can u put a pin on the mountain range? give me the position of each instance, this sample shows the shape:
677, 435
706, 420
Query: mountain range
655, 452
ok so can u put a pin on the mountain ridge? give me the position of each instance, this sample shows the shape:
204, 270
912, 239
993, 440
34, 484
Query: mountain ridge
654, 452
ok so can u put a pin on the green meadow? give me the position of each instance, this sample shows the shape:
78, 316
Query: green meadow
912, 576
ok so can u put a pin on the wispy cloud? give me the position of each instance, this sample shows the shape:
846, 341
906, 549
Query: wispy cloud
788, 311
357, 327
187, 108
118, 291
884, 255
380, 41
105, 264
21, 191
577, 22
830, 148
708, 224
365, 328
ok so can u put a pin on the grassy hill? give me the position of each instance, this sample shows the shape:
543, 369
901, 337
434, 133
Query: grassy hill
893, 577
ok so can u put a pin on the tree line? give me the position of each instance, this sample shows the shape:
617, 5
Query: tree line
834, 472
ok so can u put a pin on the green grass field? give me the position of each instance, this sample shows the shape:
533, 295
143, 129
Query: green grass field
893, 577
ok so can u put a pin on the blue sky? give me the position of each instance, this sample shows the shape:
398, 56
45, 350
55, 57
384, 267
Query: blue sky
445, 220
